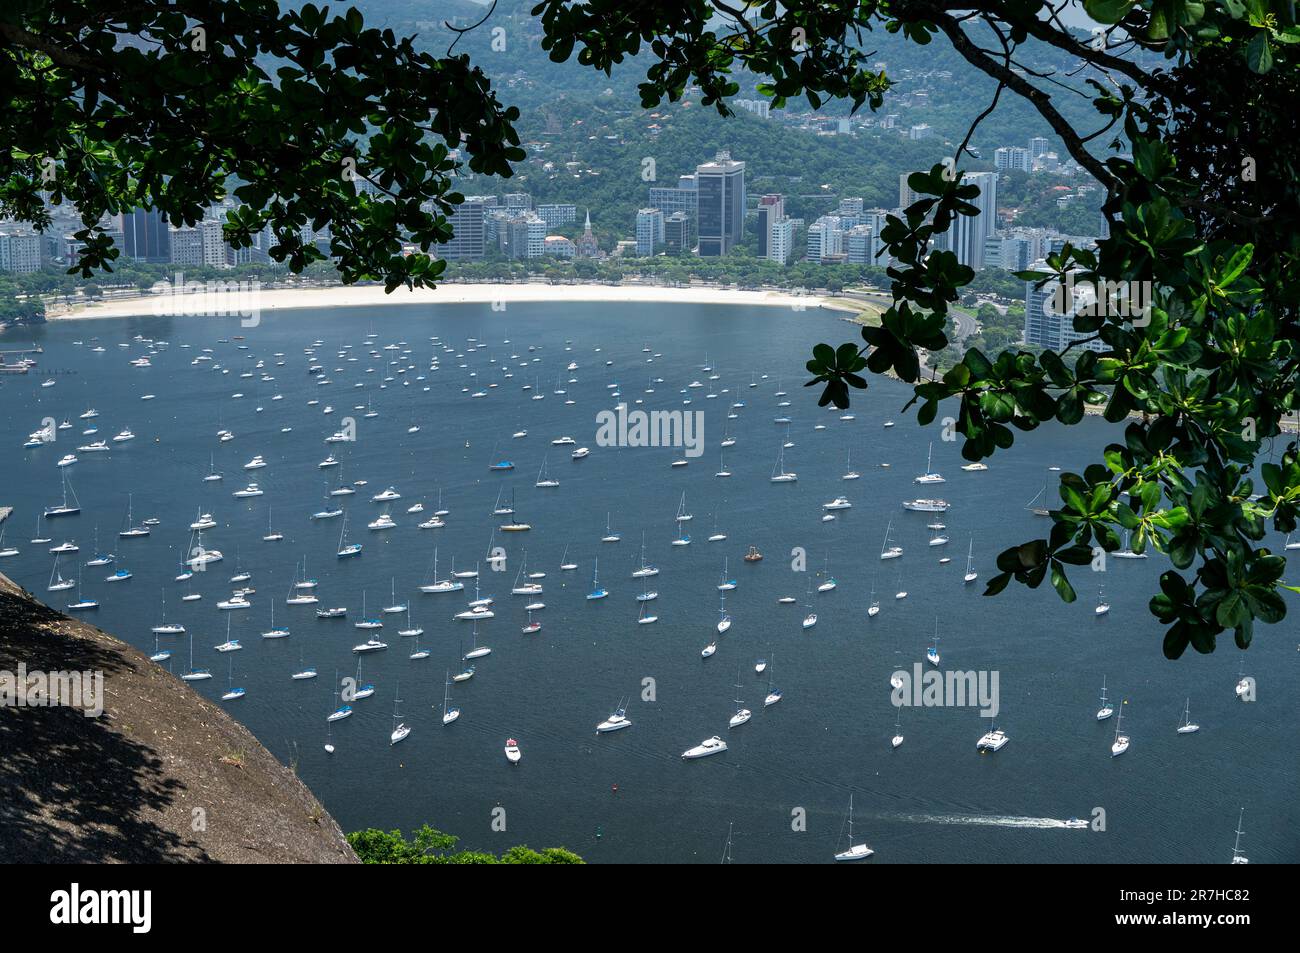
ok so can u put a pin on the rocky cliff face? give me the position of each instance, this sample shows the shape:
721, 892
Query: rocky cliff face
162, 775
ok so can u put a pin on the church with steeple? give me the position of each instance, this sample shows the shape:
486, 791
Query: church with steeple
587, 247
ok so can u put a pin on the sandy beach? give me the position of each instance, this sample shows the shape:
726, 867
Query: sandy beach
289, 299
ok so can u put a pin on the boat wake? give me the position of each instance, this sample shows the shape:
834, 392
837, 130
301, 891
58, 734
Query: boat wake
987, 820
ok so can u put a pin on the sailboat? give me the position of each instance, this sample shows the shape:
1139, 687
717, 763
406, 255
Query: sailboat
395, 607
195, 674
1102, 605
99, 559
1120, 745
515, 525
873, 610
1033, 505
542, 479
82, 604
829, 584
1237, 856
475, 650
887, 551
231, 692
645, 570
726, 583
929, 476
567, 566
1105, 711
849, 472
338, 714
441, 585
449, 714
971, 574
347, 549
898, 728
742, 714
64, 508
400, 730
130, 529
932, 653
854, 851
724, 620
773, 695
1243, 688
213, 476
6, 551
779, 474
273, 632
1187, 728
1128, 553
597, 591
271, 535
159, 654
610, 536
810, 619
57, 582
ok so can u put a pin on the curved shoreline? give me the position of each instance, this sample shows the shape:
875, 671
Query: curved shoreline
290, 299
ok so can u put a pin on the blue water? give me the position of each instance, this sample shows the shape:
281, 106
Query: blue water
1171, 798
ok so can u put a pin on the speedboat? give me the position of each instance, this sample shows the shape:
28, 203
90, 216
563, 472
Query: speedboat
709, 746
614, 722
513, 754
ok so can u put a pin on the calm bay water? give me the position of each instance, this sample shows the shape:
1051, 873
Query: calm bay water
1171, 798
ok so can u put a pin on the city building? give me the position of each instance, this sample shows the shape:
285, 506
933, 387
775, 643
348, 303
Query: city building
1011, 158
557, 215
1045, 324
771, 210
468, 232
649, 231
968, 233
721, 221
860, 245
781, 241
146, 236
558, 246
677, 233
825, 239
200, 246
20, 250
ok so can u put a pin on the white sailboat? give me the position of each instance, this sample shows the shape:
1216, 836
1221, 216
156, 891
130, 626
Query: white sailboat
400, 729
742, 714
449, 714
853, 851
971, 575
1187, 727
1237, 856
929, 476
898, 728
1105, 711
779, 473
887, 551
1121, 742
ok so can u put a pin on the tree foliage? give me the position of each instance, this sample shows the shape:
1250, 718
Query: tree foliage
430, 846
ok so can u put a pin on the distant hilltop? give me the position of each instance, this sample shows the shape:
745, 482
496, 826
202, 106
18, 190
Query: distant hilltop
162, 775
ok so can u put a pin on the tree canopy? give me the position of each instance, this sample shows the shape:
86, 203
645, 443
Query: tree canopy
431, 846
172, 105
